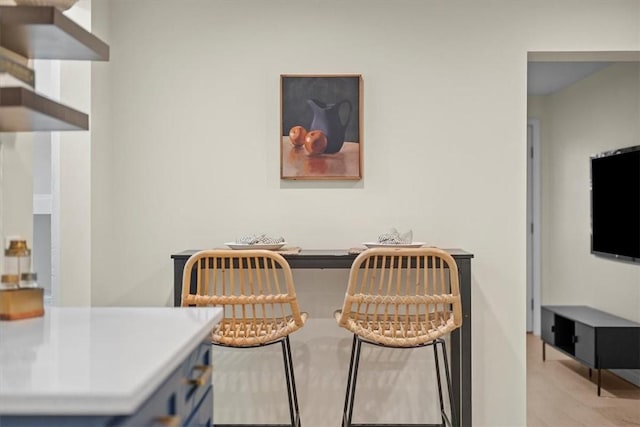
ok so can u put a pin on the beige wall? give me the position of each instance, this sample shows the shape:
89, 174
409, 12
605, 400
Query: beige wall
194, 139
189, 132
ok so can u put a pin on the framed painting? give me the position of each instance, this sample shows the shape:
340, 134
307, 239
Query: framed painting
321, 126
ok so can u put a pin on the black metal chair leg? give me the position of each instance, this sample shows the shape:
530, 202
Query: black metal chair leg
352, 379
351, 384
437, 363
288, 379
348, 392
293, 383
452, 405
355, 381
291, 386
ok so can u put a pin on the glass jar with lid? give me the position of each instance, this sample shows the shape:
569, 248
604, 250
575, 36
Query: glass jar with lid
9, 281
17, 260
28, 280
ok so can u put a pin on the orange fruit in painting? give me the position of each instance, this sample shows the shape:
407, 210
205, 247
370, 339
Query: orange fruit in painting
297, 135
315, 142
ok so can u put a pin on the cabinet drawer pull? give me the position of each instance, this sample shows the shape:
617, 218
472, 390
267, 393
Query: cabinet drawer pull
204, 376
168, 421
574, 339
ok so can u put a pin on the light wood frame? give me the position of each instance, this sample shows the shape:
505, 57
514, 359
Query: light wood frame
333, 104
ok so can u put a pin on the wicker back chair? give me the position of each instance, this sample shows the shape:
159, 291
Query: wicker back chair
256, 291
401, 298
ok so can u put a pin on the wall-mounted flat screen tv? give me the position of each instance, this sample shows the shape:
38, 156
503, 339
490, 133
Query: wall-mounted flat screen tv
615, 204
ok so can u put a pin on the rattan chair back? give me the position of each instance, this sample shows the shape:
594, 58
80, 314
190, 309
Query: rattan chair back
255, 289
402, 297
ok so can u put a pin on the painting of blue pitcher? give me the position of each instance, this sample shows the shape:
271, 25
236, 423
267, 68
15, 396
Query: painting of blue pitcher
327, 118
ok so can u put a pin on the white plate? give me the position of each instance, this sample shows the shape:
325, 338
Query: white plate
393, 245
270, 246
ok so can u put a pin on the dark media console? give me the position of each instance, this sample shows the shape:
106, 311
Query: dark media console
597, 339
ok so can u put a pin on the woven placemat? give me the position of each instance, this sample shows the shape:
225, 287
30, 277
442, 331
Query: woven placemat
289, 250
359, 250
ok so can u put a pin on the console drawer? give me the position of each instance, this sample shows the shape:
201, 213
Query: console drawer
585, 344
179, 396
196, 375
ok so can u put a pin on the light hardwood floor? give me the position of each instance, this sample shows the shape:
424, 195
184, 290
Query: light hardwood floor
561, 394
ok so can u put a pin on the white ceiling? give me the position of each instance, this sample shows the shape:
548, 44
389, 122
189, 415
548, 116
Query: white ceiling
544, 78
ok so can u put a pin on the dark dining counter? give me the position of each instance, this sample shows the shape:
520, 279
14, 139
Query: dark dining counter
342, 259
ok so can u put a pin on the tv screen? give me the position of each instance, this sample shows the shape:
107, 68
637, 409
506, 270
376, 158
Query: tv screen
615, 204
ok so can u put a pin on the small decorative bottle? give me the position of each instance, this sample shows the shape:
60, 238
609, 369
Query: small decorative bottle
9, 281
17, 265
28, 280
20, 295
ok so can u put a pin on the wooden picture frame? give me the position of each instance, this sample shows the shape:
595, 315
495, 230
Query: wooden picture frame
321, 127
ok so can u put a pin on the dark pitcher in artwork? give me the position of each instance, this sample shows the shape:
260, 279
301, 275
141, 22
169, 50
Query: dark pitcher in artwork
327, 119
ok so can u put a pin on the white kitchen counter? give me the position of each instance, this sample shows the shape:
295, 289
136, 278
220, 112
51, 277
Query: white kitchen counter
94, 361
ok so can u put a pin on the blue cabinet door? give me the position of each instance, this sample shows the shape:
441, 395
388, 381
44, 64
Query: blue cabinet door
203, 414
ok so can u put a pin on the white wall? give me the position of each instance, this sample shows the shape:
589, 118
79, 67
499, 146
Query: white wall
16, 183
71, 184
192, 123
70, 181
597, 114
101, 166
